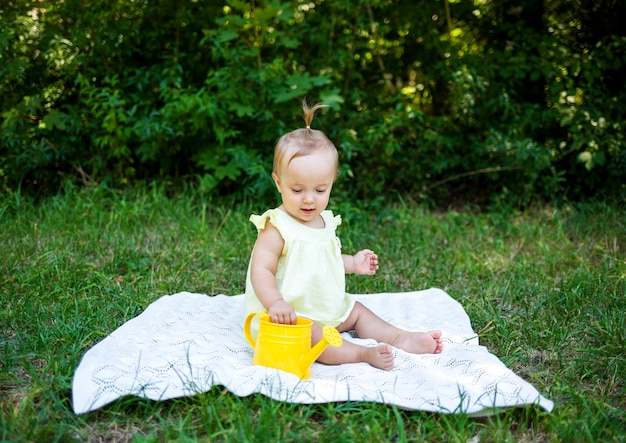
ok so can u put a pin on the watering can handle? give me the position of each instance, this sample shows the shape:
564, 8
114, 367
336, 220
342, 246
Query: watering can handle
246, 328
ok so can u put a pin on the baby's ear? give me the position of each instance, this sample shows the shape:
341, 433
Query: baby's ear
276, 181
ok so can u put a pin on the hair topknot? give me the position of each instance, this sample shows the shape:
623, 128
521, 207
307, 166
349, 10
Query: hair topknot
309, 112
302, 141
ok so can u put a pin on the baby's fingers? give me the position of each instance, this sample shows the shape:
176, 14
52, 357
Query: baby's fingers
373, 262
284, 319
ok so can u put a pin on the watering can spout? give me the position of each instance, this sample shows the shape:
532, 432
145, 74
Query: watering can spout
330, 336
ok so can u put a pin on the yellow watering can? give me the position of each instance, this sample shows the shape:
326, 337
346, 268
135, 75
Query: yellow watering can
288, 347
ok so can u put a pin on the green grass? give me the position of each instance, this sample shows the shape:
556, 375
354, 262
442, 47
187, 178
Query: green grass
545, 289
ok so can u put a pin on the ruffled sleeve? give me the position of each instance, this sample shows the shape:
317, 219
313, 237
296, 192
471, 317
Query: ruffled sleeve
337, 220
332, 220
260, 220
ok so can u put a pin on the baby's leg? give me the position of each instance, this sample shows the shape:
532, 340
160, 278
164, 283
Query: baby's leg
379, 356
369, 325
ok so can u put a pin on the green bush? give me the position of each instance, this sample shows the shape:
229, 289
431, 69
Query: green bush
503, 100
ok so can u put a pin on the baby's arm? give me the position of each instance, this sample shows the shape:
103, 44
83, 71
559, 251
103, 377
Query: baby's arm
267, 250
363, 262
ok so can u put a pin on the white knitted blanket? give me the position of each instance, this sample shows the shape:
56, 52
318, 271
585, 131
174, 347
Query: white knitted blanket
184, 344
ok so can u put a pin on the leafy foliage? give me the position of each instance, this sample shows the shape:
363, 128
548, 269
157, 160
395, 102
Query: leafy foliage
438, 100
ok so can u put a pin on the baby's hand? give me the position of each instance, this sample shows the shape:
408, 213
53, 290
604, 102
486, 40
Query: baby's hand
281, 312
365, 262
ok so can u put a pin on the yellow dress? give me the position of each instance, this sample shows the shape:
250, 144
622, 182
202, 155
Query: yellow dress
310, 274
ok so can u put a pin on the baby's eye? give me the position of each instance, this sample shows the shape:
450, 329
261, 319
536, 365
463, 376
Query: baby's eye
296, 191
321, 191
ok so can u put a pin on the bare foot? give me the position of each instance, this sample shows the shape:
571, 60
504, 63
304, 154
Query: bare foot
380, 357
419, 342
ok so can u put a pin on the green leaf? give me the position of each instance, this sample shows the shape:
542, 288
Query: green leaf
331, 97
55, 119
586, 157
241, 109
224, 35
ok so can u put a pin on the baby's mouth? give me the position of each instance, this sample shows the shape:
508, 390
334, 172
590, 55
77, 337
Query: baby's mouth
308, 211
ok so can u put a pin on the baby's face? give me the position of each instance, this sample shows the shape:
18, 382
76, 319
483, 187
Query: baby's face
305, 185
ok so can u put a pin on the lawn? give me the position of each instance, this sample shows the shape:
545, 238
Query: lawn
545, 289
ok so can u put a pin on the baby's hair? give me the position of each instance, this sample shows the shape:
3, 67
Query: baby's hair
303, 141
308, 112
